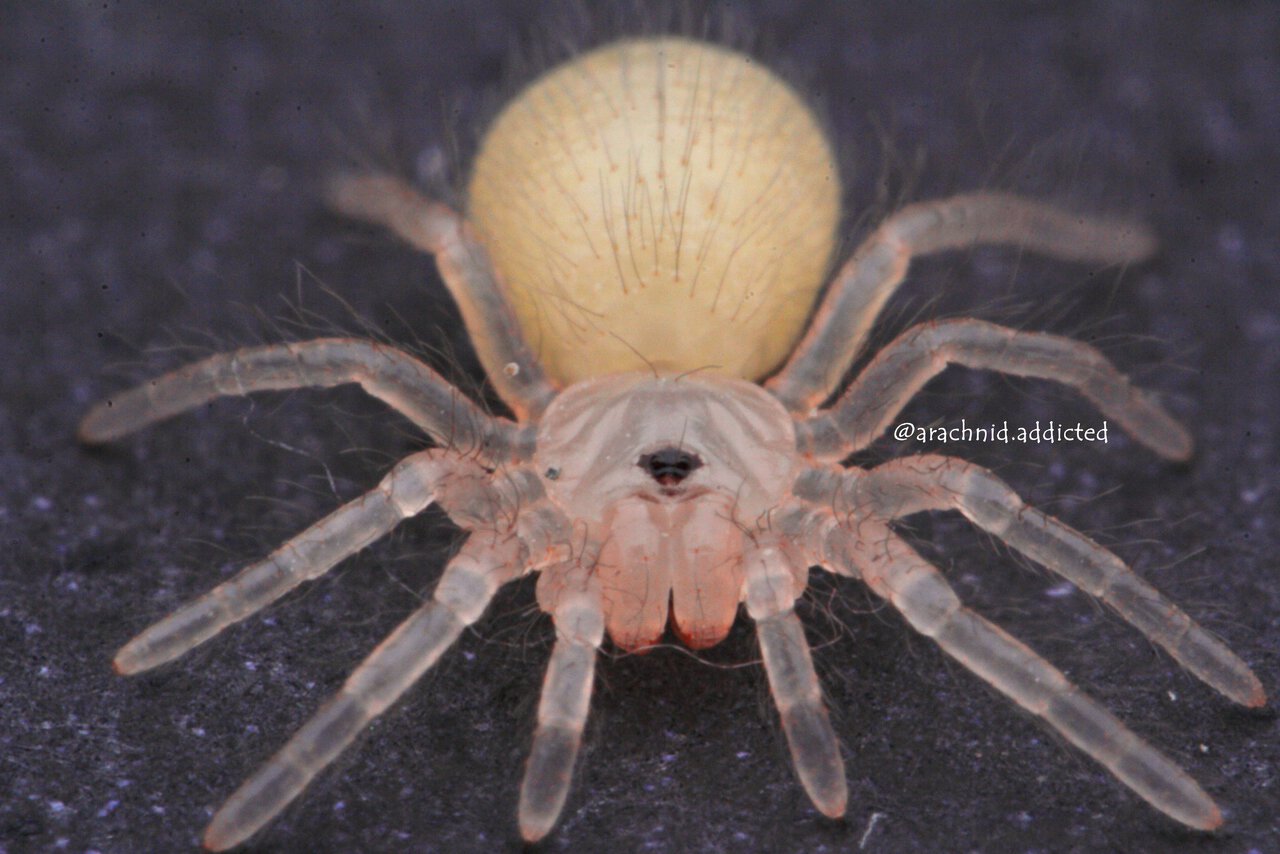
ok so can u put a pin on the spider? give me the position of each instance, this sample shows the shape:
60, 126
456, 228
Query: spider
640, 270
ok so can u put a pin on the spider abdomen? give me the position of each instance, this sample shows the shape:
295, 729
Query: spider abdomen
658, 203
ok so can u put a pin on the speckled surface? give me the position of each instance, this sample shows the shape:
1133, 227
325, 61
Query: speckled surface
158, 170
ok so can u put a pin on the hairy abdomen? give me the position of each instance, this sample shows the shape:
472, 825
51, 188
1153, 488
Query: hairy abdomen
658, 203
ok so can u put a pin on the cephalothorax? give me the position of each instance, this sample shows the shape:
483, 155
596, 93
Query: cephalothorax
647, 232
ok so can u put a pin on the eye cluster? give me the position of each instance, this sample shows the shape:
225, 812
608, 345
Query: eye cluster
669, 466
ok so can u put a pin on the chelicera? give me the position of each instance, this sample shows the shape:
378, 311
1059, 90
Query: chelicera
640, 270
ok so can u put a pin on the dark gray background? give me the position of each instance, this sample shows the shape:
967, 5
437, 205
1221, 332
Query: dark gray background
158, 172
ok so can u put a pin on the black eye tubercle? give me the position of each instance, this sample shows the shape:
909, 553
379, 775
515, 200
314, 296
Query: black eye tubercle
669, 466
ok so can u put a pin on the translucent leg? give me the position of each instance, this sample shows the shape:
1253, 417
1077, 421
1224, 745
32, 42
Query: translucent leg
562, 713
464, 265
464, 591
900, 370
399, 380
860, 289
927, 482
406, 491
896, 573
815, 751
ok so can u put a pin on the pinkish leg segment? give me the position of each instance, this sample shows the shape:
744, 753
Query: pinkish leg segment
916, 589
394, 377
869, 406
483, 565
866, 281
562, 711
407, 490
464, 265
927, 482
772, 586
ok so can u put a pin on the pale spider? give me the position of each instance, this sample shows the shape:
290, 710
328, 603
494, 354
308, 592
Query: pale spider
647, 231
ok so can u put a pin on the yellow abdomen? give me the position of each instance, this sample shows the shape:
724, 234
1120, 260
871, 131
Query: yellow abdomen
658, 203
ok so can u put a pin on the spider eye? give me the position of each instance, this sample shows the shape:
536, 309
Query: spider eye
669, 466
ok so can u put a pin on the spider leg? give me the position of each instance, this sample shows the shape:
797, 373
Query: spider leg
772, 587
482, 566
919, 592
394, 377
407, 490
901, 369
859, 290
562, 711
464, 265
929, 482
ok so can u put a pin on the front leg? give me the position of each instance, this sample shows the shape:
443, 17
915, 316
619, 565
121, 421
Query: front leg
916, 356
412, 486
578, 612
870, 551
771, 587
839, 328
930, 482
485, 562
